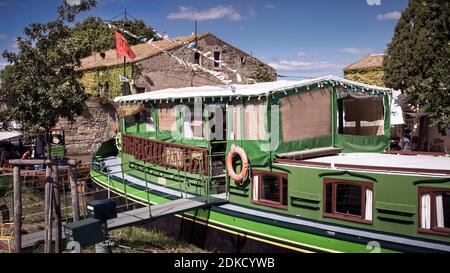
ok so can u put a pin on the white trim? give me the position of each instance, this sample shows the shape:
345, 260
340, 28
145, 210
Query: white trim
425, 212
440, 211
369, 205
255, 188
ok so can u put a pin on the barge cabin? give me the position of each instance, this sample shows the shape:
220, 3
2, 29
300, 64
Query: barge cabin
299, 165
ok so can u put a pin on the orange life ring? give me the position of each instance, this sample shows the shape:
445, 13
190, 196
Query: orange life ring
238, 178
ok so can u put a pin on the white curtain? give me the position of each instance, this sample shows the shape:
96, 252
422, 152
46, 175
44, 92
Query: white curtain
425, 211
440, 211
369, 205
256, 188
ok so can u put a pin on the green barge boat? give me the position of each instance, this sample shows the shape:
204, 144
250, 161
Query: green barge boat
302, 166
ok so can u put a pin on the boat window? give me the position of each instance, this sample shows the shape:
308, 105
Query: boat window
131, 123
270, 189
193, 123
361, 116
348, 200
146, 119
306, 115
434, 210
167, 118
254, 120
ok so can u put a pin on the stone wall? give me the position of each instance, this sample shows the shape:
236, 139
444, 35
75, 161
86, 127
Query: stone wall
91, 129
162, 71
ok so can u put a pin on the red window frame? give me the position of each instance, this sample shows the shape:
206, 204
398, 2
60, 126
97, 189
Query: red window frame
434, 229
269, 203
342, 216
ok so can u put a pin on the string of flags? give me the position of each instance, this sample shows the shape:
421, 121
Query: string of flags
221, 76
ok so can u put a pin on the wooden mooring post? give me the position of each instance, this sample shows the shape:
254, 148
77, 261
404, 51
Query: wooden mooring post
17, 210
74, 193
48, 210
57, 207
52, 202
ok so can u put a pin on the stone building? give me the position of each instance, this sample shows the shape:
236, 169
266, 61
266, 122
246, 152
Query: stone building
151, 70
368, 70
425, 138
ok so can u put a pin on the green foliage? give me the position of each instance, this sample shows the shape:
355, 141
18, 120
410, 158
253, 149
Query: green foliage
262, 75
42, 86
95, 35
373, 76
418, 58
94, 80
143, 240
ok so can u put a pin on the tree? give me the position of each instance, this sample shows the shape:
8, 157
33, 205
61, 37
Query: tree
96, 36
42, 85
418, 58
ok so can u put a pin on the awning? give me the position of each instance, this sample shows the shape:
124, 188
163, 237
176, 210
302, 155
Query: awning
4, 136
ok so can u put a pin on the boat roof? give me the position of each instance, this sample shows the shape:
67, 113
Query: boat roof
389, 162
241, 90
9, 135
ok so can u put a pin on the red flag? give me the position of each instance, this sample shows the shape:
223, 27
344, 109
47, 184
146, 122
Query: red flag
122, 47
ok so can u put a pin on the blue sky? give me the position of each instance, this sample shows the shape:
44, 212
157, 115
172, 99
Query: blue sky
304, 38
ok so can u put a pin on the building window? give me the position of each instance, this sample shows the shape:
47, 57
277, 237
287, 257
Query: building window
434, 211
270, 189
217, 59
348, 200
197, 58
140, 90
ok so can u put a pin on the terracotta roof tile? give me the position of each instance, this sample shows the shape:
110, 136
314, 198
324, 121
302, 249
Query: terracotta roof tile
370, 61
143, 51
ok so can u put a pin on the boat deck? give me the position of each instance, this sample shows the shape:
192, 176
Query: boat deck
396, 163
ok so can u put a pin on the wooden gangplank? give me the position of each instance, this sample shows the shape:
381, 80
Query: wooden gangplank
144, 215
136, 217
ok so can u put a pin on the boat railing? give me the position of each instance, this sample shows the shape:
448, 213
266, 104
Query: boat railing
189, 159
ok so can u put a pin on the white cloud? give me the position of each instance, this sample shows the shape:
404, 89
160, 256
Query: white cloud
14, 44
395, 15
355, 51
305, 65
298, 65
3, 37
215, 13
270, 6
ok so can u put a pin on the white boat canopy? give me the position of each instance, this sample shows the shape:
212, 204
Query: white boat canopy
241, 90
12, 135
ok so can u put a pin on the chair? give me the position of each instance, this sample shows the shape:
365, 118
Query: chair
7, 235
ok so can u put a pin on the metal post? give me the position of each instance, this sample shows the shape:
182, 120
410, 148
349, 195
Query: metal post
148, 193
17, 210
74, 194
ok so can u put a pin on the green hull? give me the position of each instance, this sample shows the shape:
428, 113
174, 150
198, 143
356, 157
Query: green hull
287, 238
